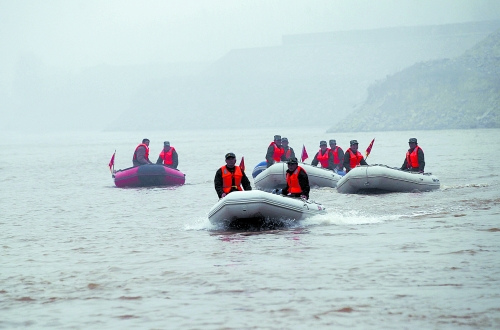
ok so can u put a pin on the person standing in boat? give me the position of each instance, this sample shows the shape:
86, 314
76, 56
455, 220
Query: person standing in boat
168, 156
324, 157
353, 157
338, 156
230, 178
297, 181
414, 160
289, 153
141, 154
275, 151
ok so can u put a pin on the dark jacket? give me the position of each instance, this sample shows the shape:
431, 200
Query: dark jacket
140, 158
303, 182
175, 160
421, 162
245, 183
347, 161
331, 165
292, 154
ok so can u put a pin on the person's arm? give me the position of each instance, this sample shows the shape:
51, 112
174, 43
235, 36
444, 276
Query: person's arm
331, 164
159, 161
315, 160
245, 182
269, 155
218, 183
347, 162
141, 156
292, 153
340, 165
304, 183
404, 167
175, 159
421, 160
363, 162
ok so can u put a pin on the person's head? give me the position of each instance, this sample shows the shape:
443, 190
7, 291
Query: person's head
230, 159
323, 145
292, 163
277, 140
412, 143
354, 145
166, 145
333, 143
284, 141
145, 141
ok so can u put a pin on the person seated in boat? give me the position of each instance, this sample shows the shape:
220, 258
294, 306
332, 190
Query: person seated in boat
414, 160
168, 156
297, 181
338, 156
289, 153
141, 154
324, 157
353, 157
230, 178
275, 152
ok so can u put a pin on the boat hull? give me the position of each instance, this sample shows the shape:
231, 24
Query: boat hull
148, 176
255, 205
274, 177
381, 178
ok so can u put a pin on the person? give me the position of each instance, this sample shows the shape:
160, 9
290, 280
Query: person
168, 156
338, 155
323, 157
297, 181
275, 151
141, 154
230, 178
353, 157
414, 161
289, 153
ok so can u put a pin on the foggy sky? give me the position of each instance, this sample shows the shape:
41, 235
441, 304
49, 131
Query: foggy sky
70, 35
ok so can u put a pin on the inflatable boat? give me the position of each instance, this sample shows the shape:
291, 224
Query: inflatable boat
259, 168
148, 175
381, 178
247, 208
274, 177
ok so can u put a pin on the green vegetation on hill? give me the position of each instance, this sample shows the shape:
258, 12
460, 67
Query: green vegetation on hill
458, 93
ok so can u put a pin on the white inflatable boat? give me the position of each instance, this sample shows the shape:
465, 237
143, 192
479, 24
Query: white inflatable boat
257, 207
274, 177
381, 178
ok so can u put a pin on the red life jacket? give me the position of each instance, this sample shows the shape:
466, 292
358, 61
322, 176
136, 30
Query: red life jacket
146, 155
323, 158
355, 158
335, 153
227, 179
288, 153
293, 181
167, 156
278, 152
412, 158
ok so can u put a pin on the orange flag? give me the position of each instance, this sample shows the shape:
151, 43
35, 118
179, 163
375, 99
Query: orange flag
304, 154
369, 149
242, 163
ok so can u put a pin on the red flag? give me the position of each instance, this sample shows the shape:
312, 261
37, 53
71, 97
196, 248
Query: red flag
242, 163
304, 153
112, 162
369, 149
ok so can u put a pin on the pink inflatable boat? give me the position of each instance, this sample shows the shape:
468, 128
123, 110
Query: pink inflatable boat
149, 175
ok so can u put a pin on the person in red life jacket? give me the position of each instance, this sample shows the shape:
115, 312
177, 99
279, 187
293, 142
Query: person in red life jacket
230, 178
168, 156
275, 152
353, 157
324, 157
141, 154
338, 155
297, 181
289, 153
414, 160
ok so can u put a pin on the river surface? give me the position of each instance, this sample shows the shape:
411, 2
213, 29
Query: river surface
78, 253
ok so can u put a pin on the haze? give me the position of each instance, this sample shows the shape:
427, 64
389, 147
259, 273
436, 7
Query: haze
42, 41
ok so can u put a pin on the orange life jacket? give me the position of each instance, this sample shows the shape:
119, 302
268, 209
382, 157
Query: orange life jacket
146, 155
355, 158
323, 158
227, 179
278, 152
167, 156
288, 153
293, 181
412, 158
335, 153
